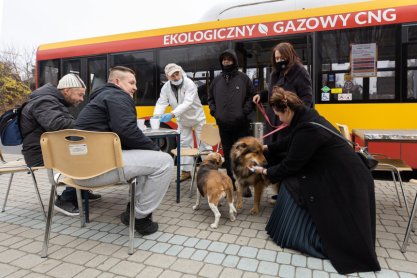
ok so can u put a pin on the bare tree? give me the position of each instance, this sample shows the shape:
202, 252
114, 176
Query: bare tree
20, 62
16, 76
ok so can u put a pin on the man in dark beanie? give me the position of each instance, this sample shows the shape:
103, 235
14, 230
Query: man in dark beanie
230, 102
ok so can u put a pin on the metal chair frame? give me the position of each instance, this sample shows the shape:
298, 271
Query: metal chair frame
12, 167
82, 155
209, 135
395, 166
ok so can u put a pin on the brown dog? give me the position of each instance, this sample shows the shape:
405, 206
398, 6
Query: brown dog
247, 152
215, 185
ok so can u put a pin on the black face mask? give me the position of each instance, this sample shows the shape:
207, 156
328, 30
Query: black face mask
228, 68
281, 65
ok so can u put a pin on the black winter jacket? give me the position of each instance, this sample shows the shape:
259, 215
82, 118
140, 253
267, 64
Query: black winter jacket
336, 187
111, 109
46, 110
230, 101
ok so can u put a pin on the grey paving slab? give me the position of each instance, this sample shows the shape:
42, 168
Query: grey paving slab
184, 246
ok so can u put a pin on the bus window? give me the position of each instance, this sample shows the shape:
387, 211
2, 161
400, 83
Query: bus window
410, 38
143, 63
97, 72
412, 72
48, 72
73, 65
334, 52
200, 62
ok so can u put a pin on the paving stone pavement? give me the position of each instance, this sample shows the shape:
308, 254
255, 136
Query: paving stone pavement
184, 246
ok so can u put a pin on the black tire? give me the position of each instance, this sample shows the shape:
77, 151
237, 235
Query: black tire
165, 144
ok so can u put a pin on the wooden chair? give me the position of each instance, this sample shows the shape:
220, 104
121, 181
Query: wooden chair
395, 166
410, 221
80, 156
209, 135
19, 166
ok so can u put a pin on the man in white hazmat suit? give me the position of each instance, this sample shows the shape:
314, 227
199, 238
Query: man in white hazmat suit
181, 93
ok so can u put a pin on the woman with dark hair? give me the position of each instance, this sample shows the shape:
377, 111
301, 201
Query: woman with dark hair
288, 73
326, 202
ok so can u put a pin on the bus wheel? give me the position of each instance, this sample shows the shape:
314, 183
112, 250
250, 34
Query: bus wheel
165, 144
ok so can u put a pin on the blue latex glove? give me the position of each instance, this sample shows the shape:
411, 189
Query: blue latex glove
166, 117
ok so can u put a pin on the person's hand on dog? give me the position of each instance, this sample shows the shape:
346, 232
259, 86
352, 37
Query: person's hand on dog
166, 117
256, 169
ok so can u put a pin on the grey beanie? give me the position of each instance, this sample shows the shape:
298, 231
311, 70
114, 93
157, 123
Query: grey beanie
71, 80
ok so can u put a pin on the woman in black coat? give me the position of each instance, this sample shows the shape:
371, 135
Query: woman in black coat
326, 203
288, 73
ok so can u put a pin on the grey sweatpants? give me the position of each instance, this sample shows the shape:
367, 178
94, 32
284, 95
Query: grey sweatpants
153, 171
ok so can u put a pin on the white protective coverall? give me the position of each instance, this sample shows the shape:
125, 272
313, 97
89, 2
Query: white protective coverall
188, 111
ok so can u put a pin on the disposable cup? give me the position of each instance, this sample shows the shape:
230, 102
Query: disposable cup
141, 124
154, 123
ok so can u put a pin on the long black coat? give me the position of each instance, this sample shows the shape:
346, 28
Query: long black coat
335, 186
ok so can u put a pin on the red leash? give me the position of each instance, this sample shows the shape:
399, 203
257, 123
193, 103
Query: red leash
277, 128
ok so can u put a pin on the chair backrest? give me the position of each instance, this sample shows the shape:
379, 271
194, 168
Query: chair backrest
210, 134
344, 130
80, 154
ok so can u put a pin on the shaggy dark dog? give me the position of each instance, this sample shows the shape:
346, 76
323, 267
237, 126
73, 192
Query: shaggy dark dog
247, 152
216, 185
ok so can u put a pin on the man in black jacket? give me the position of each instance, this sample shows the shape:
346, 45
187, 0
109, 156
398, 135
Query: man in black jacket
47, 110
230, 102
112, 108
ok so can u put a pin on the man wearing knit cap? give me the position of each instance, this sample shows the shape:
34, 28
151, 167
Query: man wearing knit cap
47, 110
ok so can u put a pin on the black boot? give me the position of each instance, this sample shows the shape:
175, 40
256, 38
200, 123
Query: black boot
144, 226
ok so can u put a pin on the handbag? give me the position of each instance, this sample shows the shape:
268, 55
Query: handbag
367, 158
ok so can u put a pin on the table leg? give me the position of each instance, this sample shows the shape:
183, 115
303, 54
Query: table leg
178, 167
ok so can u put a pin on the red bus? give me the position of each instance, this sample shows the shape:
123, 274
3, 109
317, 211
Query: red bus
362, 58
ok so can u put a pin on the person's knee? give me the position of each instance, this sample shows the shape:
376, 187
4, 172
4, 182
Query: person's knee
167, 160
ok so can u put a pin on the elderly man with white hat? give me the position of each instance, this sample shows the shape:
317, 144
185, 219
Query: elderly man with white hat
181, 93
47, 110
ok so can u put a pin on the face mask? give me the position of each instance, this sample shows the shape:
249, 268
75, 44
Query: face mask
281, 65
176, 83
228, 68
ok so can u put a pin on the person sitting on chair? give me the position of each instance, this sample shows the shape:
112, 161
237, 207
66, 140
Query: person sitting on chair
112, 108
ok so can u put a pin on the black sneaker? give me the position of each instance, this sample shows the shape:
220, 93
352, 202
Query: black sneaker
246, 192
92, 197
66, 208
144, 226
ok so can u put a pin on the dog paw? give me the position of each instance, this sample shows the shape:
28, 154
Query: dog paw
239, 206
232, 217
254, 211
213, 226
196, 207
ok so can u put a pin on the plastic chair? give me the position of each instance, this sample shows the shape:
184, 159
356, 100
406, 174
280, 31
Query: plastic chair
82, 155
16, 166
209, 135
410, 221
395, 166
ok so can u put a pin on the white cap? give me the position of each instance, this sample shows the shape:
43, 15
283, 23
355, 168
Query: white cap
70, 80
171, 68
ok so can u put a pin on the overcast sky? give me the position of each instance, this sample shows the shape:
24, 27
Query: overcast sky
29, 23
